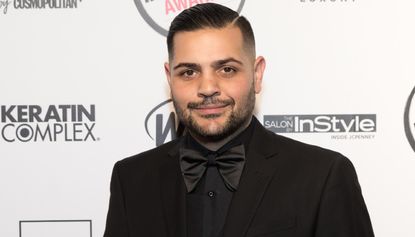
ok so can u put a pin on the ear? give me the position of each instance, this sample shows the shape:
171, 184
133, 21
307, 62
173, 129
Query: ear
167, 71
259, 68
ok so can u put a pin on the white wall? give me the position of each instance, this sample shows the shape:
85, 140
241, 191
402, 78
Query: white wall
323, 58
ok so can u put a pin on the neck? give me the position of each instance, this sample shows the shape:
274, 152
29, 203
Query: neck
215, 145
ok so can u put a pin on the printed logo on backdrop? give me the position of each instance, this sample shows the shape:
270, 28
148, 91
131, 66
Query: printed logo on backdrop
409, 119
52, 123
327, 1
160, 123
54, 228
346, 126
5, 5
159, 13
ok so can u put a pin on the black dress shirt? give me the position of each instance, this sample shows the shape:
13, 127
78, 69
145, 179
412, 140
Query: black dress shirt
207, 205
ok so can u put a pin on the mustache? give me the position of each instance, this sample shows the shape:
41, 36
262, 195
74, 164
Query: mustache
207, 101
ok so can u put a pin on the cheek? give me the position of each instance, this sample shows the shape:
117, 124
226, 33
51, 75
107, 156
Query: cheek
240, 91
182, 95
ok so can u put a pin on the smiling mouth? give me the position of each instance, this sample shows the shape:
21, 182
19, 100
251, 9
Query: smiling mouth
211, 109
211, 106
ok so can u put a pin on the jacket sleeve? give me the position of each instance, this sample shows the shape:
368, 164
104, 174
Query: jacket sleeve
116, 225
342, 210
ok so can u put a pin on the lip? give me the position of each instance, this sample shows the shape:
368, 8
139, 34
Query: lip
211, 109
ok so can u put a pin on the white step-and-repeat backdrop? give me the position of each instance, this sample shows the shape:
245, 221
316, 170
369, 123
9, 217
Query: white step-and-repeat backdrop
82, 85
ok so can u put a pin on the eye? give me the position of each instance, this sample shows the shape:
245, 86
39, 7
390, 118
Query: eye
188, 73
227, 71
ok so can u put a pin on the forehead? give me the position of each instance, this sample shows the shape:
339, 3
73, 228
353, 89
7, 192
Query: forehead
208, 44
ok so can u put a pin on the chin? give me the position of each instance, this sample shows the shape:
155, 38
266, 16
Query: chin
212, 123
212, 129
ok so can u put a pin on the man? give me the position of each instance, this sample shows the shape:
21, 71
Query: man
227, 176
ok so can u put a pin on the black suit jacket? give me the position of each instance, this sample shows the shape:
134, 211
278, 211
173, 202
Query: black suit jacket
287, 189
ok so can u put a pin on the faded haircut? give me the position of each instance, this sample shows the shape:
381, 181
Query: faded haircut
210, 15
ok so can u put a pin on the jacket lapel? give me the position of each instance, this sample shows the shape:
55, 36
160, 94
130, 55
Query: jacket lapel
172, 191
258, 172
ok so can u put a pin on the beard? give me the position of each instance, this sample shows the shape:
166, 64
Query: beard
237, 117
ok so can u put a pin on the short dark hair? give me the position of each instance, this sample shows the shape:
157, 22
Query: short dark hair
209, 15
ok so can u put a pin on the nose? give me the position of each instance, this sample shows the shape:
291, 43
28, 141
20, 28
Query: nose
208, 87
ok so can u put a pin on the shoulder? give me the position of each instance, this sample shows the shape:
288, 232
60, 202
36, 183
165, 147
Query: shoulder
309, 164
307, 155
149, 159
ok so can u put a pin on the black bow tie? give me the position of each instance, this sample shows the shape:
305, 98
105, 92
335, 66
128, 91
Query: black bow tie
229, 163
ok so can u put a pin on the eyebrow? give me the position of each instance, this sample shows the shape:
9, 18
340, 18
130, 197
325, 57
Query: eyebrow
222, 62
214, 64
194, 66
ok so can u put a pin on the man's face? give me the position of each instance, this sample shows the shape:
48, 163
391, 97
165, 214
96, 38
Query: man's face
213, 79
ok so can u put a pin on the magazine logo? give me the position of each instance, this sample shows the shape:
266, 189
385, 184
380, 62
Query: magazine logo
409, 119
160, 122
53, 123
38, 4
159, 13
4, 5
325, 123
